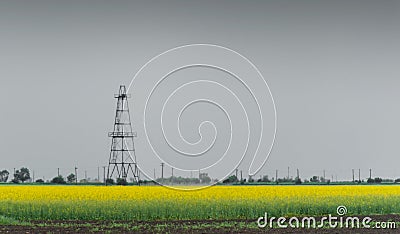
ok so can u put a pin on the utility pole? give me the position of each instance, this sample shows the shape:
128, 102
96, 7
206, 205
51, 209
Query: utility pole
76, 175
172, 175
353, 174
324, 174
104, 174
370, 173
236, 172
33, 175
98, 174
359, 175
298, 174
86, 176
162, 170
241, 175
154, 173
58, 172
276, 176
288, 173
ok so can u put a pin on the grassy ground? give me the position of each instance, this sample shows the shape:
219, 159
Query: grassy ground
10, 225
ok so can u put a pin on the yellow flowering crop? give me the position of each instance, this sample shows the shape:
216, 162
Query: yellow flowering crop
217, 202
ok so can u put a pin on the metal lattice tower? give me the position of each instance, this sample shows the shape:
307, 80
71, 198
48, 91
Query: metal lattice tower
122, 160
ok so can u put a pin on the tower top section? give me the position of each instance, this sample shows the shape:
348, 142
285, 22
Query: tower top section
122, 92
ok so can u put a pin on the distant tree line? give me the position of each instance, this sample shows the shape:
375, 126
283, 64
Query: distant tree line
313, 180
23, 175
203, 179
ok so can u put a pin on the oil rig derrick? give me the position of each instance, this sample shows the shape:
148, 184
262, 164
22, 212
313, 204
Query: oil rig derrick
122, 162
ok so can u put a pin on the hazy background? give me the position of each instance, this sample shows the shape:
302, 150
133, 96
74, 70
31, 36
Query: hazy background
332, 66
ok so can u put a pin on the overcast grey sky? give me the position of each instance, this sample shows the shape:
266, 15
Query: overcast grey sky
332, 66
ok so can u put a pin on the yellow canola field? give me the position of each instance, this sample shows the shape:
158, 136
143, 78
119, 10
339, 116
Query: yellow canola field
217, 202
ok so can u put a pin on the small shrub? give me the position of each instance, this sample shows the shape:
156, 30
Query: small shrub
58, 180
109, 181
121, 181
15, 181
